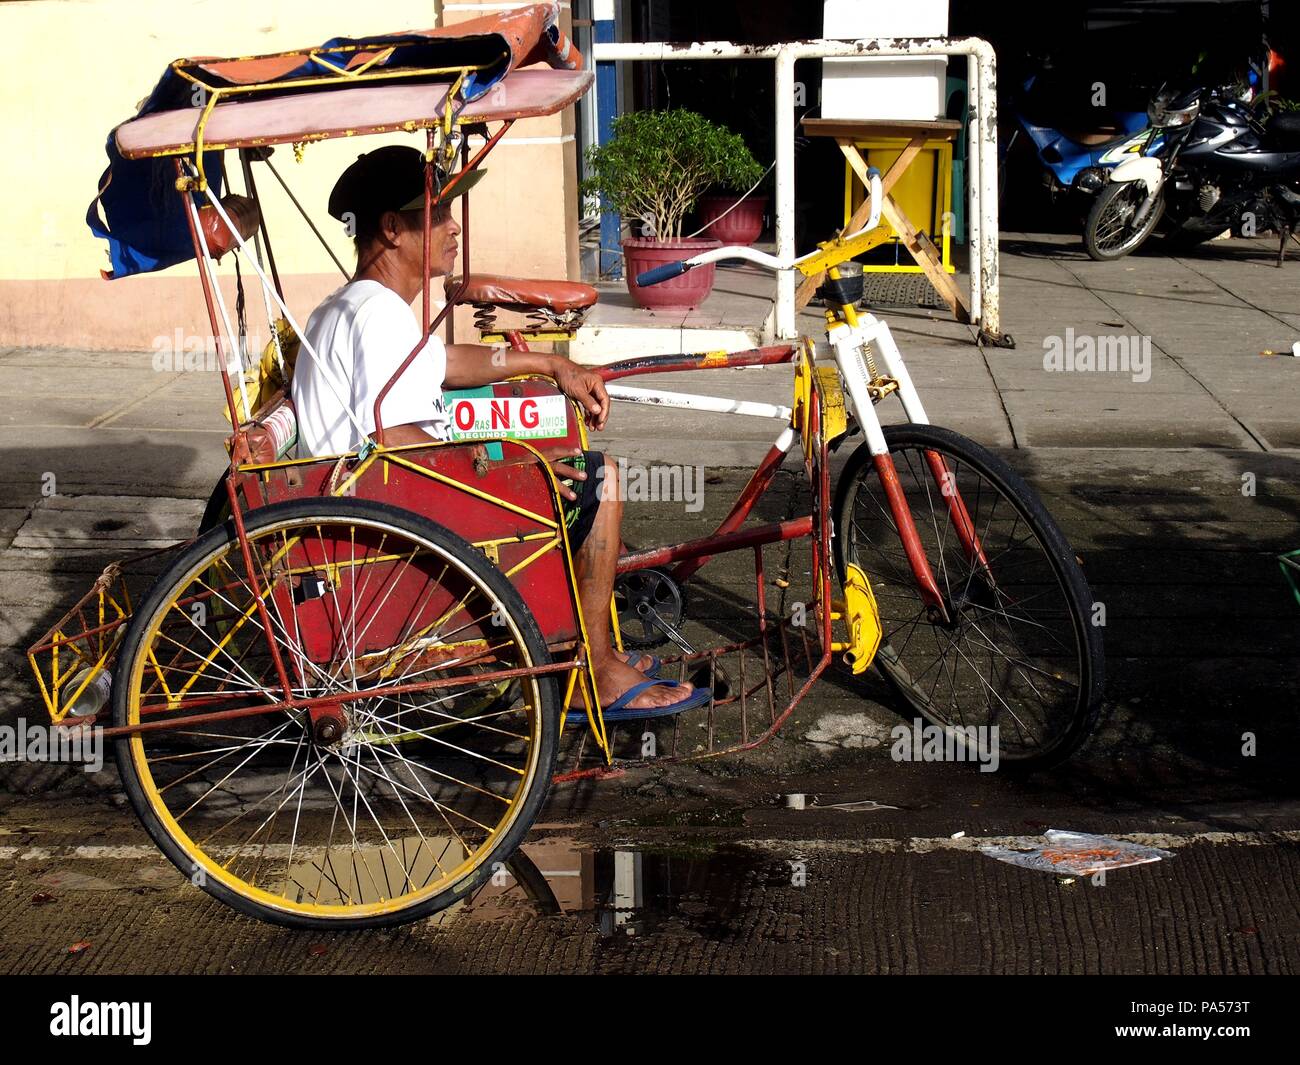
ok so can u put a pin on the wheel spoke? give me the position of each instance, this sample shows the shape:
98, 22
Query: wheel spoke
1011, 652
416, 789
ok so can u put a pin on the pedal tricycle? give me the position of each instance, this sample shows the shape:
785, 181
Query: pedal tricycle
341, 704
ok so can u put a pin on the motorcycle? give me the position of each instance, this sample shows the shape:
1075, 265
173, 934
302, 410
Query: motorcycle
1209, 165
1077, 160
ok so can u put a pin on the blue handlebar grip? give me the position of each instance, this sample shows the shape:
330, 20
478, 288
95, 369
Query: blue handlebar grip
661, 273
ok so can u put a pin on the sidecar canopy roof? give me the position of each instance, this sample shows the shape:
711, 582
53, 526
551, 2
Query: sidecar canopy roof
517, 64
355, 86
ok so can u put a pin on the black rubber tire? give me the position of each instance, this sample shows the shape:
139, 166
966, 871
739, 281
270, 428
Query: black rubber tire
206, 547
217, 508
536, 888
1103, 200
1060, 554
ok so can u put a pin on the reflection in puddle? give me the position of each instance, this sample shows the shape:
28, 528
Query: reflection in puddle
621, 892
626, 896
625, 892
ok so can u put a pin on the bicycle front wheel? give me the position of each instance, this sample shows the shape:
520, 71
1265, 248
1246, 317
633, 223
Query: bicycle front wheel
392, 781
1019, 649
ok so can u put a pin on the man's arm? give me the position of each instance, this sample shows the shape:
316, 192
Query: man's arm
401, 435
472, 365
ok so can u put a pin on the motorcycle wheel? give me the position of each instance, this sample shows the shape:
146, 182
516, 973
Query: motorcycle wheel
1109, 233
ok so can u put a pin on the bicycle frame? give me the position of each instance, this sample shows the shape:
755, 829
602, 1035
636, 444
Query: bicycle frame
852, 339
816, 526
850, 336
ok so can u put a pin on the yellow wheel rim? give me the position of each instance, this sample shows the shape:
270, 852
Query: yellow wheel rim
398, 778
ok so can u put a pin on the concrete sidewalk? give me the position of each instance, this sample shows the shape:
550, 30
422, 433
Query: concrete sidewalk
1208, 316
110, 419
1204, 320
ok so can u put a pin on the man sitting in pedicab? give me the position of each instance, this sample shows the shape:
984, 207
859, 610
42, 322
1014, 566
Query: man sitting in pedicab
367, 328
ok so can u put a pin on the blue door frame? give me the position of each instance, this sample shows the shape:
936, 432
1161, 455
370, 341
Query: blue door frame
611, 225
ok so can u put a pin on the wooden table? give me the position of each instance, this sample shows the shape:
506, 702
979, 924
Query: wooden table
847, 134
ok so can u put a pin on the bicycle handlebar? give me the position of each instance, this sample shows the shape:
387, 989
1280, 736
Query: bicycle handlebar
661, 273
771, 262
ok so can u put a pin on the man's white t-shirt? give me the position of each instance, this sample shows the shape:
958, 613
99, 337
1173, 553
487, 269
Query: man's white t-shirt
363, 332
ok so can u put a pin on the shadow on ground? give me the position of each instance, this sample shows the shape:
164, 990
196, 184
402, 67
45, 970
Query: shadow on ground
1201, 635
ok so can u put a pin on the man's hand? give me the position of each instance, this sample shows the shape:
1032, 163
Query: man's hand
585, 388
555, 457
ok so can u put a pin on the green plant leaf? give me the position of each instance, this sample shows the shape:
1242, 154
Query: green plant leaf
658, 163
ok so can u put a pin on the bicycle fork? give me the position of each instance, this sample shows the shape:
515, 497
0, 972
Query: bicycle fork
852, 339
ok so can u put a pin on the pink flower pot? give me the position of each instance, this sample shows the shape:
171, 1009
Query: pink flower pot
742, 226
682, 293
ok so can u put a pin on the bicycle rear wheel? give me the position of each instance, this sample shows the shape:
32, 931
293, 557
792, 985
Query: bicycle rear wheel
1020, 650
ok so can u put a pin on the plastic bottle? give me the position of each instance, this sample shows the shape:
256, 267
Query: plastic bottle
95, 696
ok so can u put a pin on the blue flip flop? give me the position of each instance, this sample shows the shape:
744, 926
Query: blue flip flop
618, 710
655, 663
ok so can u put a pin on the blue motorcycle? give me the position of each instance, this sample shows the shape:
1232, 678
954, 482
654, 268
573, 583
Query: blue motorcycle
1079, 160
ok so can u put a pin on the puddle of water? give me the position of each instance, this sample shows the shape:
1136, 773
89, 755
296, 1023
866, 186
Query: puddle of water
629, 892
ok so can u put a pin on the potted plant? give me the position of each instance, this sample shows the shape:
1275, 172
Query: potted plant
651, 172
731, 219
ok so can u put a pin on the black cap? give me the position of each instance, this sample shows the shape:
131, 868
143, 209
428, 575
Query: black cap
390, 179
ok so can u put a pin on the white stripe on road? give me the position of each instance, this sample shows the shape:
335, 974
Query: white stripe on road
923, 845
914, 845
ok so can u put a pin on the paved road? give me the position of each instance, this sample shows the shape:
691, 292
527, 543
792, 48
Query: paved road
1200, 636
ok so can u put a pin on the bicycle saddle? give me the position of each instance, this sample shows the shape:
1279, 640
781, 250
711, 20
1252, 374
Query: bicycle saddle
558, 297
243, 212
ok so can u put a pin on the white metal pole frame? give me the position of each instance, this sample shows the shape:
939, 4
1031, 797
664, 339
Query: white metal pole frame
784, 325
974, 224
981, 145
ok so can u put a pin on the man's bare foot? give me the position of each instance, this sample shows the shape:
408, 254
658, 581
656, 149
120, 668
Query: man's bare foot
614, 678
641, 663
